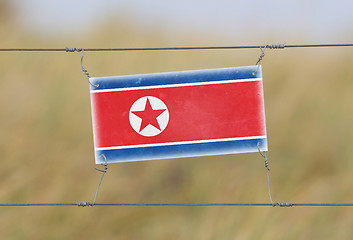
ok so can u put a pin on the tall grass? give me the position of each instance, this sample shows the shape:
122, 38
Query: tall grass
47, 150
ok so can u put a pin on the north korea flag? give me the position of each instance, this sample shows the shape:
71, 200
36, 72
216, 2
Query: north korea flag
178, 114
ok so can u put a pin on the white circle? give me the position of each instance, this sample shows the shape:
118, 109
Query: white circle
149, 130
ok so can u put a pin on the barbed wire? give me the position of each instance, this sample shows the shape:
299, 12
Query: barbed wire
268, 46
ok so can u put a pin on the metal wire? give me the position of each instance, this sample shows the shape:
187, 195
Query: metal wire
103, 172
88, 204
270, 46
262, 47
82, 67
36, 204
263, 154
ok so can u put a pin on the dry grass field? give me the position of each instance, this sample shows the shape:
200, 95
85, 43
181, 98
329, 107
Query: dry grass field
46, 146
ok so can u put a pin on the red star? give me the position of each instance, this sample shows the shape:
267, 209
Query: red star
149, 116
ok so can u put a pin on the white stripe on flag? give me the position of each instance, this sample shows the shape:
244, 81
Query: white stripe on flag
177, 85
180, 143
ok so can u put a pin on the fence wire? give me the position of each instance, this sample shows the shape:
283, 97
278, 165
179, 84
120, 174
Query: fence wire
93, 204
268, 46
88, 204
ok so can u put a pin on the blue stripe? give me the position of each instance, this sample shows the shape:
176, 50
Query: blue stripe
195, 76
180, 151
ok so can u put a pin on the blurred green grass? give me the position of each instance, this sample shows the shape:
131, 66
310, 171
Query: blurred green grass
47, 149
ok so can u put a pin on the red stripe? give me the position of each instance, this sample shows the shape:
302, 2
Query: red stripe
203, 112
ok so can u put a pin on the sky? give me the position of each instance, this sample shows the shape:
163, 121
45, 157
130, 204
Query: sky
238, 20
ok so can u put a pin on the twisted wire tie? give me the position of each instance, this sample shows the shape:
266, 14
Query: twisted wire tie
84, 204
276, 46
283, 204
105, 164
68, 49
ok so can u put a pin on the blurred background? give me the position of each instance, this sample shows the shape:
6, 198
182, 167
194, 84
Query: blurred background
46, 138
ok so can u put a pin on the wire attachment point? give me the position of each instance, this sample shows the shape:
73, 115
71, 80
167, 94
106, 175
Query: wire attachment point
285, 204
263, 154
103, 172
262, 55
84, 204
68, 49
83, 69
277, 46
